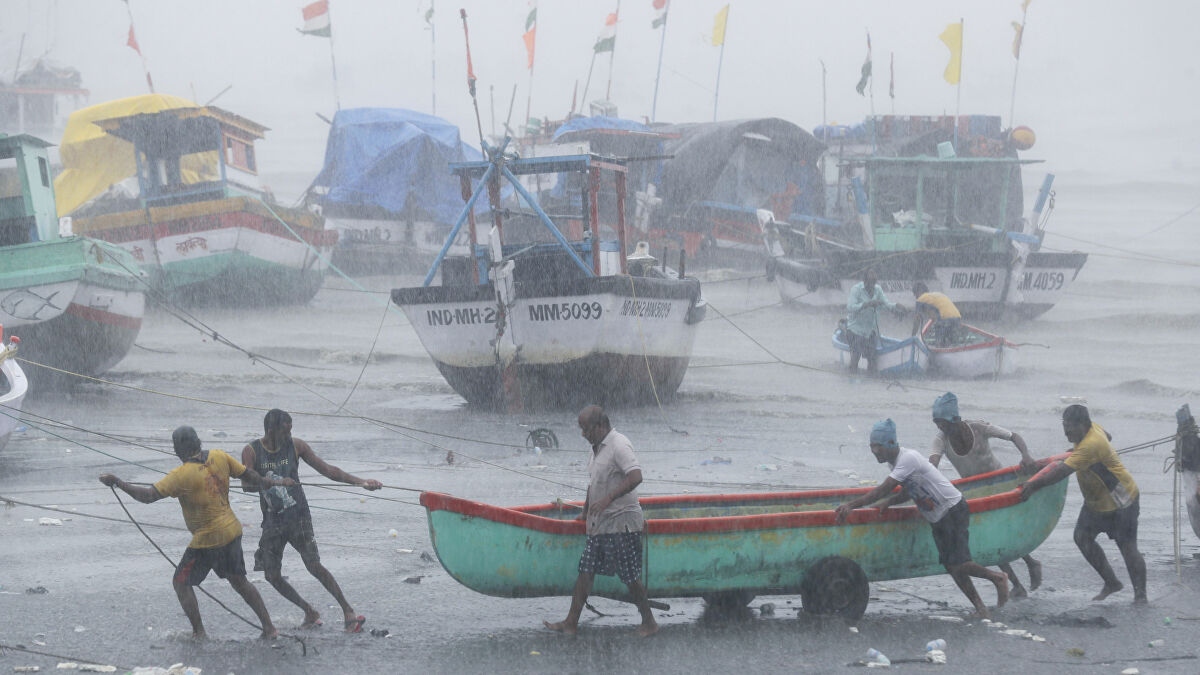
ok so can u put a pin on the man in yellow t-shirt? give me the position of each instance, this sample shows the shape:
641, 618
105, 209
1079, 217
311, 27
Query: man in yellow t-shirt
1110, 500
201, 484
939, 308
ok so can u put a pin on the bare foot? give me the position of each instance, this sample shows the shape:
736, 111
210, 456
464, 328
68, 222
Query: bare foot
1140, 599
1108, 590
645, 630
312, 619
269, 634
980, 613
1001, 590
1035, 573
1018, 592
562, 627
199, 636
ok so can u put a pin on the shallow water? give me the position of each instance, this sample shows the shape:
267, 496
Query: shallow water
763, 391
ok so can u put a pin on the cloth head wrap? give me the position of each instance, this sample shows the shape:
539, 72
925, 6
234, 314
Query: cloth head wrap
946, 407
884, 433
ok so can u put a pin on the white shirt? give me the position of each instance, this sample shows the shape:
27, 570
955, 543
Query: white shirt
929, 489
610, 464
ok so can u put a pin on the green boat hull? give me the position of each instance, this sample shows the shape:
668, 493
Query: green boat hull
704, 545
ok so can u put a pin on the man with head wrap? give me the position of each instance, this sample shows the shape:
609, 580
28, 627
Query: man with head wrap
939, 502
965, 442
202, 485
1110, 500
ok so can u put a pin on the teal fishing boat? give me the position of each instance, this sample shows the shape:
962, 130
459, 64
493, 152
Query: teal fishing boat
727, 547
76, 302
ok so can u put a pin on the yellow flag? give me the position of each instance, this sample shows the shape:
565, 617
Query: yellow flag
719, 26
1019, 28
953, 37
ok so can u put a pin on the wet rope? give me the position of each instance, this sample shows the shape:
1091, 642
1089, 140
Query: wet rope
646, 357
366, 361
26, 650
303, 645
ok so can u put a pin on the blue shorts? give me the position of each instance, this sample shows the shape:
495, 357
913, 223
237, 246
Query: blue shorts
619, 553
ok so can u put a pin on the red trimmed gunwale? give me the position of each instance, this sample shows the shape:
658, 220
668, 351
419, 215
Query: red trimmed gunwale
527, 517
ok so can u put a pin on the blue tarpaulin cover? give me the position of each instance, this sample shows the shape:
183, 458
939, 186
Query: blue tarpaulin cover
382, 162
595, 123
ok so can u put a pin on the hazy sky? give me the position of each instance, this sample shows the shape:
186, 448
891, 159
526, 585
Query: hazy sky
1108, 87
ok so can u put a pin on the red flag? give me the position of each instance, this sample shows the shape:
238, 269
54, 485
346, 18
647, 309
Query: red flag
132, 41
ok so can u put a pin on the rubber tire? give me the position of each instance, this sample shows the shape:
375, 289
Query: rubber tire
835, 586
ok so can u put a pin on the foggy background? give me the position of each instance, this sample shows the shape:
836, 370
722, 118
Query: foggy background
1110, 88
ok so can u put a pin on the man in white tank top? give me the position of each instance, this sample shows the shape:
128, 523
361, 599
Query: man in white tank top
965, 442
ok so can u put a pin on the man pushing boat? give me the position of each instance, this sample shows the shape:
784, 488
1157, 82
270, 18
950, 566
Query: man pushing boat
939, 502
965, 442
614, 521
1110, 500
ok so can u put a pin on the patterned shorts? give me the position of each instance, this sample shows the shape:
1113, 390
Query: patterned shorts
619, 553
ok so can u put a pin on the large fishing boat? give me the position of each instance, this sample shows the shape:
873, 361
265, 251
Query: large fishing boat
732, 547
199, 220
76, 302
548, 307
917, 199
387, 190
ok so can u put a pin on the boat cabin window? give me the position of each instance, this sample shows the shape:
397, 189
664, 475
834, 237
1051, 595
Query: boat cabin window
15, 222
240, 154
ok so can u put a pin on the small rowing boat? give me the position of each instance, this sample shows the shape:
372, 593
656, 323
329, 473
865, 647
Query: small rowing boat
727, 546
896, 357
970, 352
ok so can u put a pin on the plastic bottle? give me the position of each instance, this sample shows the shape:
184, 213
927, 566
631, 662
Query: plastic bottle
877, 657
935, 644
1157, 643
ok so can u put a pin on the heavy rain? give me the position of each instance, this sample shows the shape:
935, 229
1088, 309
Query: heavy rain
212, 210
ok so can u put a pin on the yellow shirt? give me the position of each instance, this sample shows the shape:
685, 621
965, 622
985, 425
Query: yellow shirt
939, 301
203, 492
1105, 483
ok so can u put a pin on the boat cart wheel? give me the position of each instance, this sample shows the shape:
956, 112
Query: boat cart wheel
723, 601
542, 438
835, 586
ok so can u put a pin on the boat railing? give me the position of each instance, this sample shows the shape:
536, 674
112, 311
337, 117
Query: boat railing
486, 175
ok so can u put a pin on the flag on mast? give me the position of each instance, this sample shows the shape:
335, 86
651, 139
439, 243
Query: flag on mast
316, 19
866, 71
132, 42
607, 40
530, 36
719, 22
660, 14
953, 37
1019, 28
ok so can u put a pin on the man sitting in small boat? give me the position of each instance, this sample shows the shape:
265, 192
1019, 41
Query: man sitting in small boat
969, 452
939, 502
614, 521
862, 320
1110, 500
939, 308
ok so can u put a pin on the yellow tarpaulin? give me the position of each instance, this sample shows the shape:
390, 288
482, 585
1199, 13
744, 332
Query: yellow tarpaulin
94, 161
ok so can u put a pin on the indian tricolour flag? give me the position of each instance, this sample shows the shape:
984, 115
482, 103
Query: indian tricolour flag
316, 19
607, 40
